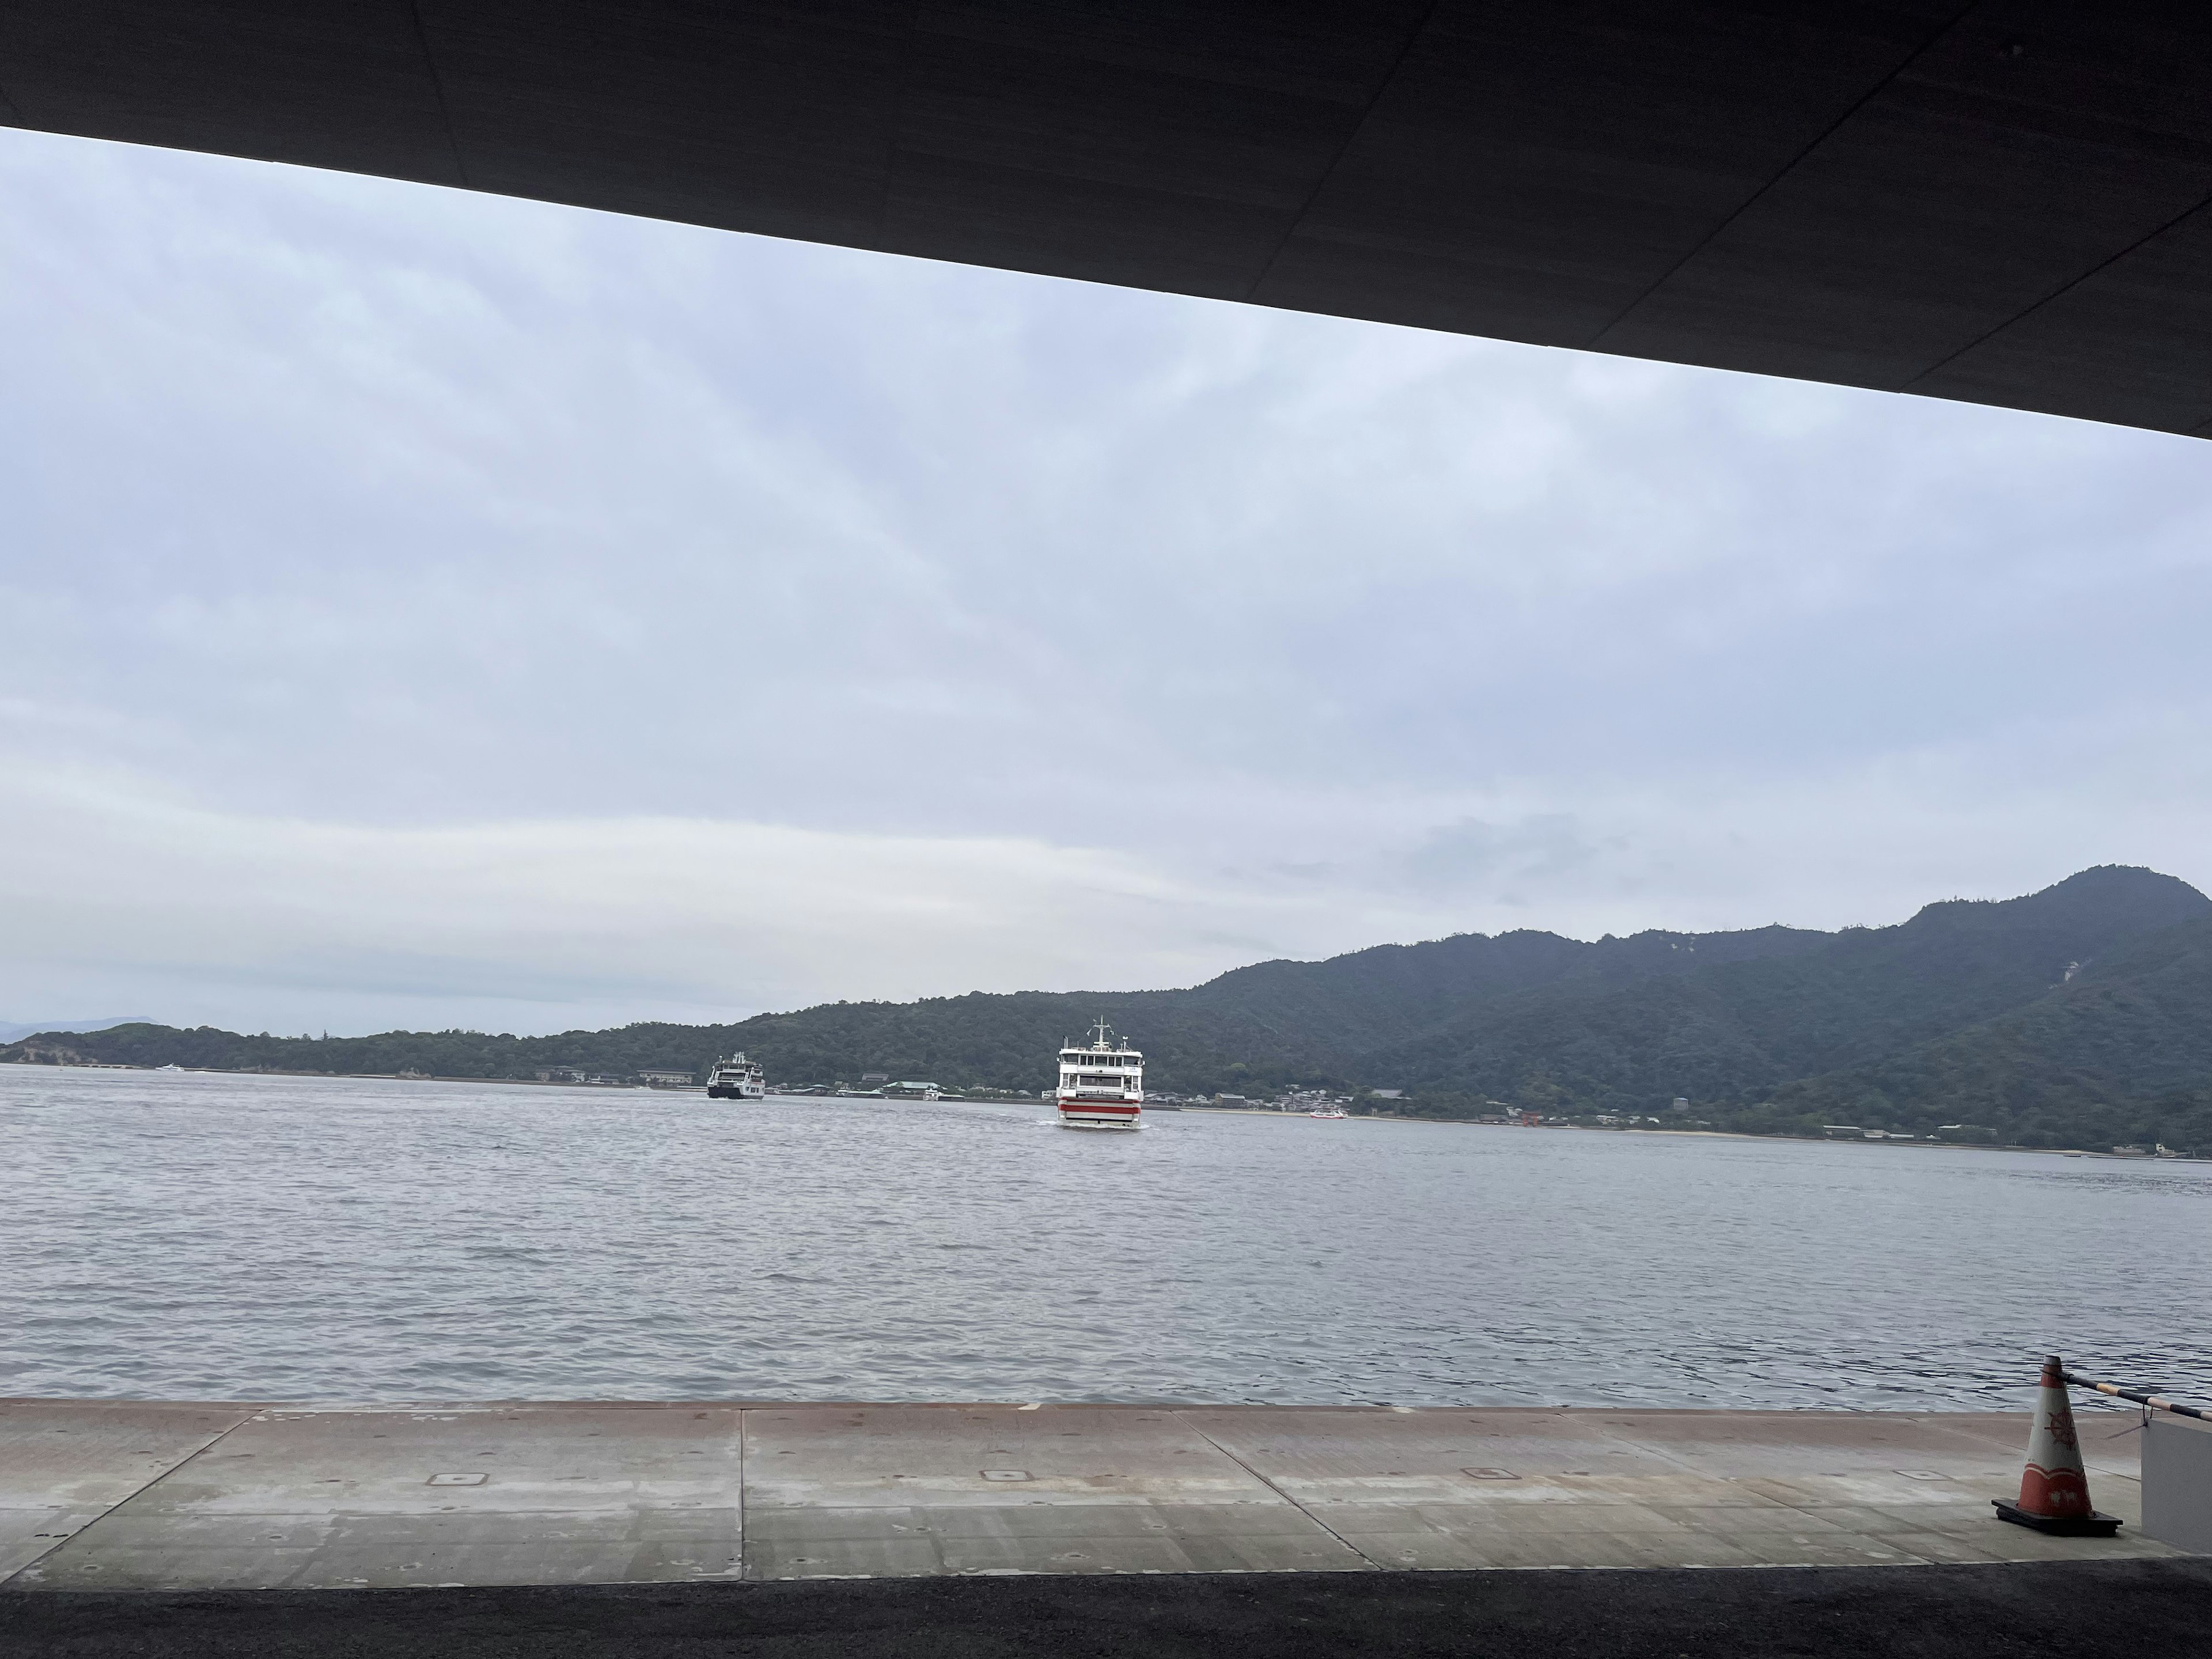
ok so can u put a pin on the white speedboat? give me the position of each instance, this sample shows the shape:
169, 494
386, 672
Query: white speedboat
1102, 1084
736, 1078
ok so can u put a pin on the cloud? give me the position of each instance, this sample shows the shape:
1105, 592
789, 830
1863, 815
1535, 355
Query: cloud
346, 508
561, 921
1472, 855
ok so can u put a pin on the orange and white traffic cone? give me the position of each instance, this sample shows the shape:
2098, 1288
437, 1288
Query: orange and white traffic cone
2054, 1487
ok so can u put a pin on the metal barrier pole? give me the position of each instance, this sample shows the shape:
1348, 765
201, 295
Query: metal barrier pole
2158, 1402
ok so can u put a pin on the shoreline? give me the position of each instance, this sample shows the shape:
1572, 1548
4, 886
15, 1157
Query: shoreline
1714, 1134
1218, 1111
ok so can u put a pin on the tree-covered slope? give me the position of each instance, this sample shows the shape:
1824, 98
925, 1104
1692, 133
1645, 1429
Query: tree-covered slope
1874, 991
1733, 1031
2120, 1054
2075, 1004
1273, 1023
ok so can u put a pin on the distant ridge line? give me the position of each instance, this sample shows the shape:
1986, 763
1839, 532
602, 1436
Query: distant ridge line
2080, 1013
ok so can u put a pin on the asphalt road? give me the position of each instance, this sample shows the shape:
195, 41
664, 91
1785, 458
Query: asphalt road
2072, 1610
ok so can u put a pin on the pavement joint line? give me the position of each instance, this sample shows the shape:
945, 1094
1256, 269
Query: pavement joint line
1935, 1420
1615, 1432
1623, 1433
1372, 1562
252, 1412
1696, 1489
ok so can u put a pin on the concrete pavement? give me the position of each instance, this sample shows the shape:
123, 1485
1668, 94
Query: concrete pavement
150, 1497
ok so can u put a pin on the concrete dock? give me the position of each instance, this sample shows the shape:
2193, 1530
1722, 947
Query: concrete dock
108, 1496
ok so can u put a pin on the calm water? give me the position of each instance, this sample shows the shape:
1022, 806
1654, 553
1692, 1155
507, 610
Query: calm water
194, 1237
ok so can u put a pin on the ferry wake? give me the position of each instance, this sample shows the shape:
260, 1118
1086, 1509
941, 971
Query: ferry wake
1102, 1085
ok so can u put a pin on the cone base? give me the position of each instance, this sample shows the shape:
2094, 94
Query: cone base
2094, 1525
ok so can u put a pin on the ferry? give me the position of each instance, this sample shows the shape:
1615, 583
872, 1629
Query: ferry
1102, 1084
1327, 1111
736, 1078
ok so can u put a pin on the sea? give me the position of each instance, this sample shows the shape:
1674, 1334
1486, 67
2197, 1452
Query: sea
199, 1236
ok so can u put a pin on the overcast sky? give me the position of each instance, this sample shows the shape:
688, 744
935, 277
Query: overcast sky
428, 608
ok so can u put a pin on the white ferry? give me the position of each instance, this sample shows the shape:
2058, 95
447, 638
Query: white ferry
736, 1078
1102, 1085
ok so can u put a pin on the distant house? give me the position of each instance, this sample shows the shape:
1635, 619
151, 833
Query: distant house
668, 1080
875, 1076
562, 1074
1386, 1093
911, 1091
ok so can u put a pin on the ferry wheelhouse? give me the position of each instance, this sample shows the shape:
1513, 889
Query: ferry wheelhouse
1102, 1084
736, 1078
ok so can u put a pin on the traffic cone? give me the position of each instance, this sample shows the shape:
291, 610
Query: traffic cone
2054, 1487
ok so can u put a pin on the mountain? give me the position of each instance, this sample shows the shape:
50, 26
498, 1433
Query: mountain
11, 1030
1734, 1028
1271, 1024
2123, 1047
2081, 1010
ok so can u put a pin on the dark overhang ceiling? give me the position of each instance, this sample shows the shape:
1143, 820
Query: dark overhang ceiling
2005, 203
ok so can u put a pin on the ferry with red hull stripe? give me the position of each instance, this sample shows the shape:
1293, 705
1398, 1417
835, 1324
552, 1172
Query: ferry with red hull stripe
1102, 1083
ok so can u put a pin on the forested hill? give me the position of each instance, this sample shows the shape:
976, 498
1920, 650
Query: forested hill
1273, 1023
2079, 1011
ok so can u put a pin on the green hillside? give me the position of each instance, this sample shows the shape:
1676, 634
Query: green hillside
2120, 1054
1731, 1032
2082, 1013
1272, 1024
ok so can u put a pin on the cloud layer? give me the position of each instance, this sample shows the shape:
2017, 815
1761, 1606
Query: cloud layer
430, 608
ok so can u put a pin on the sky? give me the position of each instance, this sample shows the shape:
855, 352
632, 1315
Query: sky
423, 609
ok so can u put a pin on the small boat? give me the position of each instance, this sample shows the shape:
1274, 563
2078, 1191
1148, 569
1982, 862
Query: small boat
171, 1066
1102, 1083
1328, 1111
736, 1078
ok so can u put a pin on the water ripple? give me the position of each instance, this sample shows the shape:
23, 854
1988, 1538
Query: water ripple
329, 1239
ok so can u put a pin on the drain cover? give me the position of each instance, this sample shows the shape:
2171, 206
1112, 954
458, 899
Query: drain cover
1491, 1474
471, 1479
1006, 1474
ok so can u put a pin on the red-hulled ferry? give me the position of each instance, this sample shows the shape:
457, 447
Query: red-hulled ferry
1102, 1085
